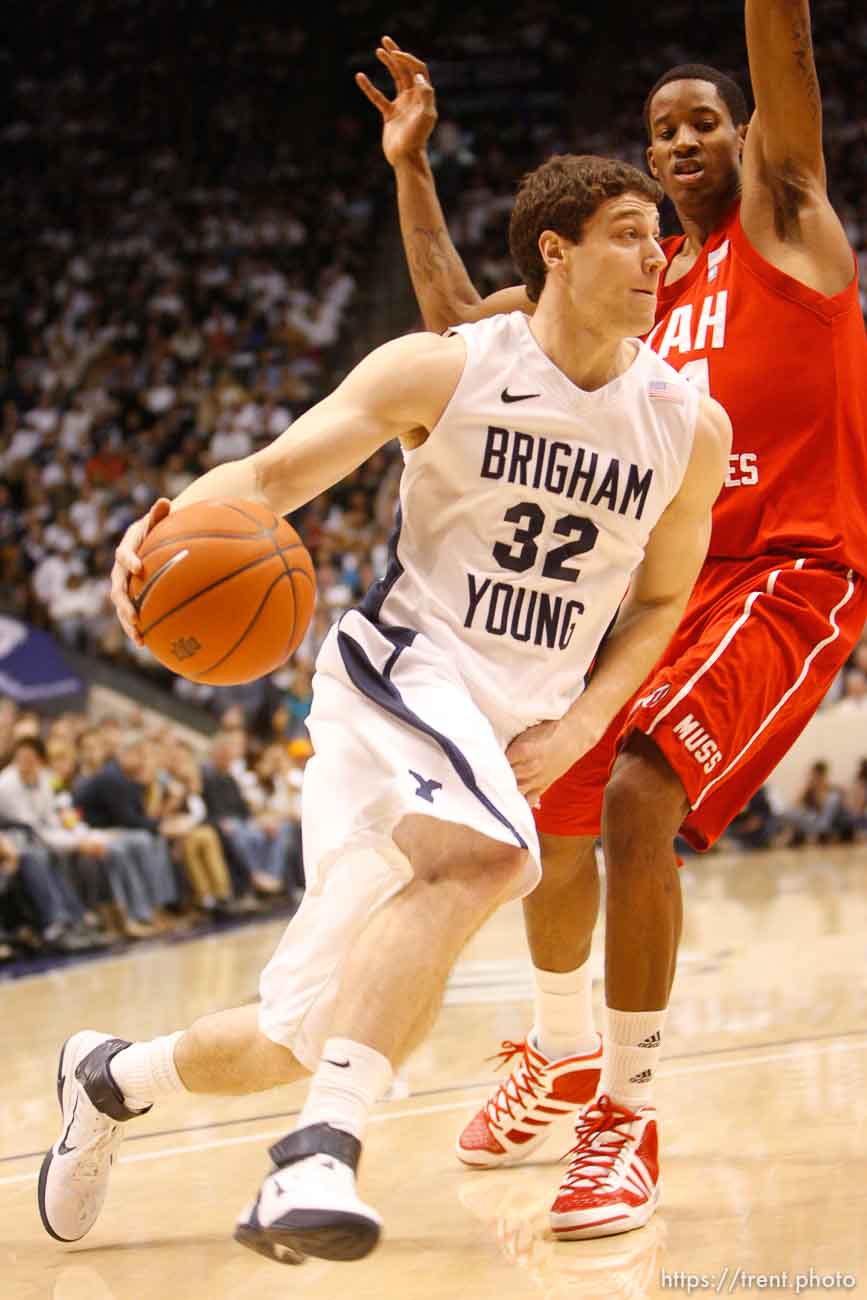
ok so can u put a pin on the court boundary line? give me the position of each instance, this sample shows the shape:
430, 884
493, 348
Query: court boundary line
701, 1067
473, 1084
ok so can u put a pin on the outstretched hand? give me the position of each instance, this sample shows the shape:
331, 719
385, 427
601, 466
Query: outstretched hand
127, 562
409, 118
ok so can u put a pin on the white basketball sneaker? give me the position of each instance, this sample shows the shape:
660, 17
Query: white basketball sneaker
612, 1183
308, 1204
526, 1107
73, 1179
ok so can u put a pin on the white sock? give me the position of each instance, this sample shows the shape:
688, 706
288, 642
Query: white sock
633, 1041
350, 1079
144, 1072
564, 1013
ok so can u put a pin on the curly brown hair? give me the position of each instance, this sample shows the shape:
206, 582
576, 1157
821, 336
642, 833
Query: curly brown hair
562, 195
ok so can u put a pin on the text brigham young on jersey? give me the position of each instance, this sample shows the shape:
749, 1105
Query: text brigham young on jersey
565, 470
576, 474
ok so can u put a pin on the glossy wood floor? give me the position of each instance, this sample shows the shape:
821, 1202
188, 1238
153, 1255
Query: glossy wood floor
763, 1100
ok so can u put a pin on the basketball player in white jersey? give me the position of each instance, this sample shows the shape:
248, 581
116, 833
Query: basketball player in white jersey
549, 465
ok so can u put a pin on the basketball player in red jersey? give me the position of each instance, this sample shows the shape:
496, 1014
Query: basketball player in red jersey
760, 306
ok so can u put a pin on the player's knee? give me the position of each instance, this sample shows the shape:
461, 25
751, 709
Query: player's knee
568, 860
644, 797
507, 867
484, 880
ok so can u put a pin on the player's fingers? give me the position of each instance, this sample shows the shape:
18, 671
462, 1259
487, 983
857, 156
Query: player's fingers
126, 555
125, 610
388, 61
416, 66
411, 73
398, 67
527, 776
160, 508
376, 97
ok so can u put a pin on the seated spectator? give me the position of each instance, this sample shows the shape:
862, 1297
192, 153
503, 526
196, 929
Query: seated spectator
818, 816
183, 817
62, 758
44, 889
277, 804
253, 849
94, 866
91, 752
758, 824
855, 803
854, 697
112, 798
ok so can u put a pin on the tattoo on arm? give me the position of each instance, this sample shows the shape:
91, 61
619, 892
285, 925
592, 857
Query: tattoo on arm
802, 45
429, 260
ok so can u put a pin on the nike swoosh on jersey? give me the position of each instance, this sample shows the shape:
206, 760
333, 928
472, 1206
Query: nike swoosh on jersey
517, 397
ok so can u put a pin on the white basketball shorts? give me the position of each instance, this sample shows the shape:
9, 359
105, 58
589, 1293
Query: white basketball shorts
394, 732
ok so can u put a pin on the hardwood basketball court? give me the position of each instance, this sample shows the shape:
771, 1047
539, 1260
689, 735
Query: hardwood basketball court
762, 1096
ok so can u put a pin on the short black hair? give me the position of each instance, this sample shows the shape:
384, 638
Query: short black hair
30, 742
730, 92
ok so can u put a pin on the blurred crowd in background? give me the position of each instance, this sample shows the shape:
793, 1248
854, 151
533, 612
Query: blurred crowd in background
196, 223
192, 214
112, 832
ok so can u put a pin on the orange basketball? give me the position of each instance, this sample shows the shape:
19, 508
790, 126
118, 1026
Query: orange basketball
226, 591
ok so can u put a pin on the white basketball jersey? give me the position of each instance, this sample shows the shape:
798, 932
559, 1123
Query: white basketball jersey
524, 515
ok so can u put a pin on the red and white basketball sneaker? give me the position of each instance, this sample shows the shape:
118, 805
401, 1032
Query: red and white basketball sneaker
612, 1184
519, 1116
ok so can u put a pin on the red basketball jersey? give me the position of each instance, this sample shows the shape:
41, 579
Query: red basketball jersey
790, 367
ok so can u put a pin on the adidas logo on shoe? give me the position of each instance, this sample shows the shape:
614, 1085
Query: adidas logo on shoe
644, 1077
653, 1041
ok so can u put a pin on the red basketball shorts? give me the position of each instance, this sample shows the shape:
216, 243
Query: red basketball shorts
758, 647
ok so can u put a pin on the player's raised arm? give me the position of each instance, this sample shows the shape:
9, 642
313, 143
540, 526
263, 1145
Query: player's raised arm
445, 292
785, 199
786, 87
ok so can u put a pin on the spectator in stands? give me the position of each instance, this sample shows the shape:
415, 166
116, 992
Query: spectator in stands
818, 816
182, 814
103, 869
113, 798
112, 730
253, 849
855, 803
62, 758
277, 807
91, 752
25, 795
758, 825
854, 697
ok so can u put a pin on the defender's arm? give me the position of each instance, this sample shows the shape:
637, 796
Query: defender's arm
446, 295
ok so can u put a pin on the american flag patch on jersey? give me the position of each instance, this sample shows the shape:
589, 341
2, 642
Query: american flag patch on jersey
662, 391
